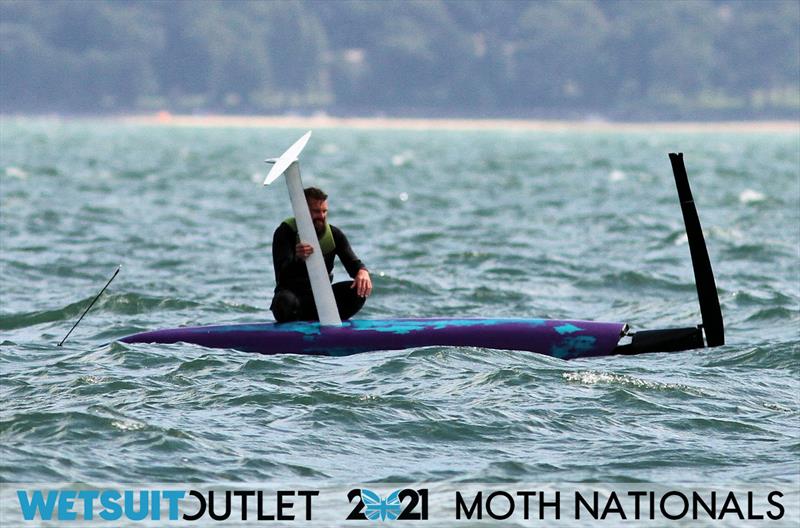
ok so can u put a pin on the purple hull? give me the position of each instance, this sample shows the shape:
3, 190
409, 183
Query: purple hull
561, 339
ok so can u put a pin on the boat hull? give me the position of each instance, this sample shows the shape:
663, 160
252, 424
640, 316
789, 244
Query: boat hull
562, 339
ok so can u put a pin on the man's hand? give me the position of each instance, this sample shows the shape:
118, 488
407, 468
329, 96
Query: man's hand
303, 250
362, 283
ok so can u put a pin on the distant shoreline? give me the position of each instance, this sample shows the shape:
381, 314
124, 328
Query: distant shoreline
421, 124
378, 123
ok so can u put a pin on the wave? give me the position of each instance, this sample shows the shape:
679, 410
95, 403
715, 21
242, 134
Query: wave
119, 303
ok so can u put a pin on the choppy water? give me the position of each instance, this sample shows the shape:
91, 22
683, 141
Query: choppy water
491, 223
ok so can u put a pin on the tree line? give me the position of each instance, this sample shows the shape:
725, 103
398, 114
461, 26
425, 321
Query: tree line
618, 59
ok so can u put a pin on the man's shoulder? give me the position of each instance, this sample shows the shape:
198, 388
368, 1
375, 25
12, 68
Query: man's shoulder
284, 228
337, 233
289, 226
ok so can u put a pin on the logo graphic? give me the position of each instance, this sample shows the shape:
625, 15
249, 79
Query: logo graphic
378, 509
404, 504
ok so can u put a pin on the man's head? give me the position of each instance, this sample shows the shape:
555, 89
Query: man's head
318, 207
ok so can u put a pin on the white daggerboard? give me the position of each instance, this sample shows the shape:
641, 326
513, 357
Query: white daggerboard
289, 164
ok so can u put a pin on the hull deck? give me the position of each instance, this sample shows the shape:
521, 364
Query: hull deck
558, 338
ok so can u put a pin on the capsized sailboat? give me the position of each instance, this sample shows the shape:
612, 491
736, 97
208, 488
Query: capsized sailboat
565, 339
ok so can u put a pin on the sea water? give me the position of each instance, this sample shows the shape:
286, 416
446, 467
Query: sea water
481, 223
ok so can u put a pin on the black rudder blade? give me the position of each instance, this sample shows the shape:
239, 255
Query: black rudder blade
703, 274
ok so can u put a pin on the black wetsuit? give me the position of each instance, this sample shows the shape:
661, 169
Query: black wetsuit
293, 299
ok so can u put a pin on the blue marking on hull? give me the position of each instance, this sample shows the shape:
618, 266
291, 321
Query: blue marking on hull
567, 329
575, 346
405, 326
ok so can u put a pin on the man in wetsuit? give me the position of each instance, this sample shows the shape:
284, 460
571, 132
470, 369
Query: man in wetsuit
293, 299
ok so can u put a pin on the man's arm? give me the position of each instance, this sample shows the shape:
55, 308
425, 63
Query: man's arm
283, 251
355, 268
